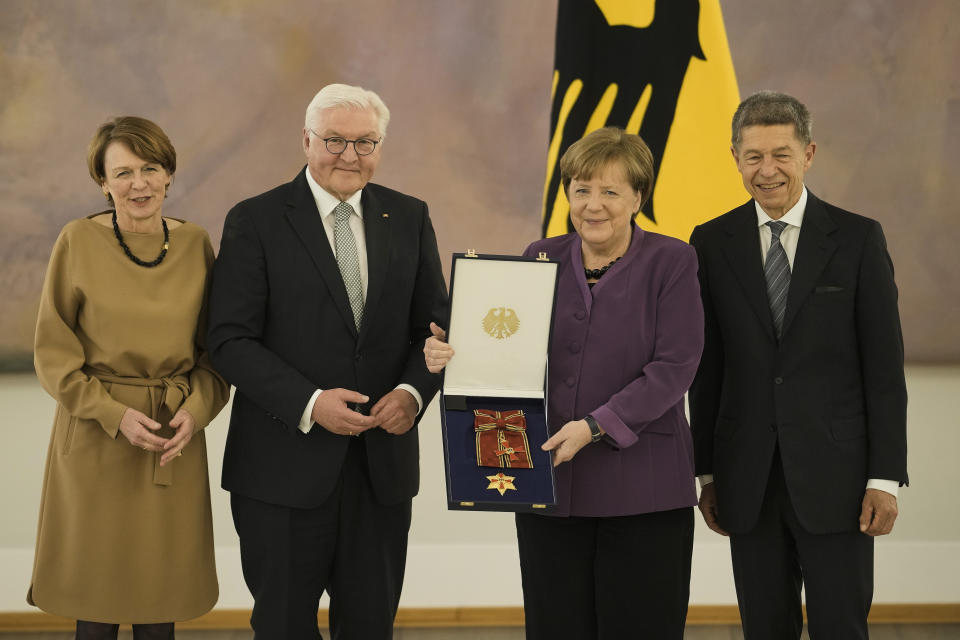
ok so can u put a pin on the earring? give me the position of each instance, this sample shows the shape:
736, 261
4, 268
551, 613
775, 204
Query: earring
106, 194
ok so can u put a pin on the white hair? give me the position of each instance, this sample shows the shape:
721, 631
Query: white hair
349, 97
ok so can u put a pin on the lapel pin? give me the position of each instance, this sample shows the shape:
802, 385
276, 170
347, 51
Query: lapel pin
386, 215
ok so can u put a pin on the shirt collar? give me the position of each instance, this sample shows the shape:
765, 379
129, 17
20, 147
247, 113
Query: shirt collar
327, 202
793, 217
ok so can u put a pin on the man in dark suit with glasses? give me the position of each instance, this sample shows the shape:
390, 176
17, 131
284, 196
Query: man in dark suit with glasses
322, 297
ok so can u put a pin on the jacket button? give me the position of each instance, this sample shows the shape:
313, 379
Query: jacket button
574, 347
357, 357
778, 380
580, 315
773, 427
570, 381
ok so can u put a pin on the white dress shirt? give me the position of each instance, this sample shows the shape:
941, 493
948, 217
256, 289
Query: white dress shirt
326, 203
790, 234
788, 239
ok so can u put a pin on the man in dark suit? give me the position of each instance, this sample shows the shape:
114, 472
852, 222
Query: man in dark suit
798, 409
322, 296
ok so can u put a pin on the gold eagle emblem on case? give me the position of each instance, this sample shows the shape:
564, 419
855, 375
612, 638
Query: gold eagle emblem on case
501, 323
501, 482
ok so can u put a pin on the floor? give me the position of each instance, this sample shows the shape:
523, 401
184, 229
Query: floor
877, 632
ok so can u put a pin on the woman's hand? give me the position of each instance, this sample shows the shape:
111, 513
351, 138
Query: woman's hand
436, 352
184, 424
136, 427
565, 443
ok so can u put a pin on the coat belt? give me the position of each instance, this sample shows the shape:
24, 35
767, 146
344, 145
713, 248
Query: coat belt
173, 390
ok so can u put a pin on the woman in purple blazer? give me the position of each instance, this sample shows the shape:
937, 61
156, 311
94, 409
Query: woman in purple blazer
613, 559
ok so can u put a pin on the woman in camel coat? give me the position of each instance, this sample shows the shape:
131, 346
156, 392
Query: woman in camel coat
125, 532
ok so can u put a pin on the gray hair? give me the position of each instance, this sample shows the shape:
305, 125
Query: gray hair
772, 108
349, 97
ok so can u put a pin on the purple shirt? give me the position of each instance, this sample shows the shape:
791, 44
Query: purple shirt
625, 352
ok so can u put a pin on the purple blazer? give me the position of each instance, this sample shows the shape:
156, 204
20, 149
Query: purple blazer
625, 352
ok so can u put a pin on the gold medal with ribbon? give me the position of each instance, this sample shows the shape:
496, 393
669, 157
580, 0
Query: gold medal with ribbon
502, 439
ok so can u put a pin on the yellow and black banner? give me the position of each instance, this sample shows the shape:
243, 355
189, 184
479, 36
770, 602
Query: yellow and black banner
660, 68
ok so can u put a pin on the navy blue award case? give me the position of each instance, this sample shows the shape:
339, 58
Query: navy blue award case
501, 316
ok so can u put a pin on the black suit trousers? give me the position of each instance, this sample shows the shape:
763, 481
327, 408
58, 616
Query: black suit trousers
606, 578
351, 546
777, 556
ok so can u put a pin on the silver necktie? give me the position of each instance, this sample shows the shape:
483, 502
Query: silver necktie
345, 245
776, 270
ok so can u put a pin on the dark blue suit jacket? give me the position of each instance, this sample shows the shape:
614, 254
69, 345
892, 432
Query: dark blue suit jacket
831, 395
281, 327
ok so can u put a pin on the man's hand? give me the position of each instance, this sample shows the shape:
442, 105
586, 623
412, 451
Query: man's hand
395, 412
708, 507
332, 412
436, 352
879, 512
572, 437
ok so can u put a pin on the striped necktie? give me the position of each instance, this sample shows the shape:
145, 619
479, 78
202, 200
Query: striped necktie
345, 245
776, 270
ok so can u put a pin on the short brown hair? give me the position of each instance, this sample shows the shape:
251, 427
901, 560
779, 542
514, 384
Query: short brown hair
143, 137
597, 149
769, 108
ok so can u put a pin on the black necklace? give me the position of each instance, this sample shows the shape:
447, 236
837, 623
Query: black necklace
595, 274
126, 249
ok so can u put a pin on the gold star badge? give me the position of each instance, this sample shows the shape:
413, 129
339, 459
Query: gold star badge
501, 482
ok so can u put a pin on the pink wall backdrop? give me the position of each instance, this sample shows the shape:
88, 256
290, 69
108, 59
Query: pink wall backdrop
468, 84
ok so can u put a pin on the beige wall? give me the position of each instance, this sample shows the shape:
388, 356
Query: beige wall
469, 84
470, 559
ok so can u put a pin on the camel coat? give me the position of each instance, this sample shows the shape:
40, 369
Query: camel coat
121, 539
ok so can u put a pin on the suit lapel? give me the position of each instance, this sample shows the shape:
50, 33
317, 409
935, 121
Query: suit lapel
576, 263
376, 227
814, 250
305, 219
742, 251
622, 266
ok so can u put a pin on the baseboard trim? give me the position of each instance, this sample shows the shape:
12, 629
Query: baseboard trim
466, 617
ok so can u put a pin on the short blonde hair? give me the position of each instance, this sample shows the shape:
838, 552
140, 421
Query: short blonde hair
610, 145
349, 97
143, 137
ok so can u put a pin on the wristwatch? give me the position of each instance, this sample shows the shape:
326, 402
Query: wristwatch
595, 432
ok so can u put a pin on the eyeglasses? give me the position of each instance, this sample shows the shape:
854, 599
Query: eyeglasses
337, 145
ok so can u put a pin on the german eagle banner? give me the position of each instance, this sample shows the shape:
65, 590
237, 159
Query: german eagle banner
660, 68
